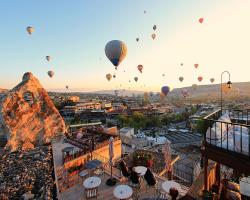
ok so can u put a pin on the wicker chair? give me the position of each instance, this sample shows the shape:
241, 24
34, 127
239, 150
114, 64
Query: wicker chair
91, 193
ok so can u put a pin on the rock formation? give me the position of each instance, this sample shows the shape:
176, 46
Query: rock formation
28, 116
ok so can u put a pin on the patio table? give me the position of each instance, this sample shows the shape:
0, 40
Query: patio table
140, 170
92, 182
170, 184
122, 192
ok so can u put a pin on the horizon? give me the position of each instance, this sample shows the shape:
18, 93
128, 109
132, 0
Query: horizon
69, 33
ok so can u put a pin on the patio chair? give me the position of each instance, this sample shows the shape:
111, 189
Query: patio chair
91, 193
124, 169
151, 180
163, 195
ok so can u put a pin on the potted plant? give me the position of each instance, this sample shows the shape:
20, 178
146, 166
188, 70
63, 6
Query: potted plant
149, 161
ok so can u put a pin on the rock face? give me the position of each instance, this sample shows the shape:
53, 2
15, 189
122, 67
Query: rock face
28, 116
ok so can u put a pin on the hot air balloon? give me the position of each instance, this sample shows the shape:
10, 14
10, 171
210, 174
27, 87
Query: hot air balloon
225, 88
67, 87
165, 90
48, 58
136, 79
163, 75
196, 65
153, 36
51, 74
129, 81
137, 39
145, 12
116, 51
30, 29
114, 76
200, 78
201, 20
184, 93
181, 78
211, 80
108, 77
154, 27
194, 86
181, 64
140, 67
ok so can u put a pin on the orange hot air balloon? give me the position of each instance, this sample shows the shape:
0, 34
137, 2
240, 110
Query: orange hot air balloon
201, 20
225, 88
140, 67
200, 78
108, 77
196, 65
153, 36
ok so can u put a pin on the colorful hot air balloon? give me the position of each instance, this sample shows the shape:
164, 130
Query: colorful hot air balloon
136, 79
116, 51
181, 78
51, 74
48, 58
201, 20
154, 27
165, 90
140, 67
137, 39
153, 36
211, 80
30, 29
196, 65
200, 78
108, 77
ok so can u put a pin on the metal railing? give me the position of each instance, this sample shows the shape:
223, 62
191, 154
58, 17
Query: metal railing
231, 136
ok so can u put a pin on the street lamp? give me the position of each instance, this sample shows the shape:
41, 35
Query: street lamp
229, 85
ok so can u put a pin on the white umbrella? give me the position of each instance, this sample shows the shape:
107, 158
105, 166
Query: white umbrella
111, 152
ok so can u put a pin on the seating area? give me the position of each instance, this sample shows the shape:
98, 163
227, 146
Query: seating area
135, 183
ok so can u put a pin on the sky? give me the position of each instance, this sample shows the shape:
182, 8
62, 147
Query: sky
74, 33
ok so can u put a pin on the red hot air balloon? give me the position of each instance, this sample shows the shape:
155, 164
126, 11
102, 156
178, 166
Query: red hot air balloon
196, 65
200, 78
201, 20
140, 67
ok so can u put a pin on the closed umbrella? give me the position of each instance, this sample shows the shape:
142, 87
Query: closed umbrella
111, 181
167, 156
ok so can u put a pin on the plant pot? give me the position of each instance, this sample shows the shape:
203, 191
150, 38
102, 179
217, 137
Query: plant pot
111, 182
149, 163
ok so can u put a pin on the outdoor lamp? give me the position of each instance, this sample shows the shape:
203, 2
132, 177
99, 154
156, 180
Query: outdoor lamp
229, 84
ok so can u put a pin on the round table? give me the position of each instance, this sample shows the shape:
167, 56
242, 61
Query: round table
170, 184
92, 182
140, 170
122, 192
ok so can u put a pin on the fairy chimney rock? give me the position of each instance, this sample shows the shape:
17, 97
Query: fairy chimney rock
28, 117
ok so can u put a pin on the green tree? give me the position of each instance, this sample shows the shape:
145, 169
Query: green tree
138, 120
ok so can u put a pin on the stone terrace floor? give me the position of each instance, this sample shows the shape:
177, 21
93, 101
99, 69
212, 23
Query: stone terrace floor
106, 192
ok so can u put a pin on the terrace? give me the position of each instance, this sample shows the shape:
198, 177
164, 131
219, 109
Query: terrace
70, 185
226, 141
